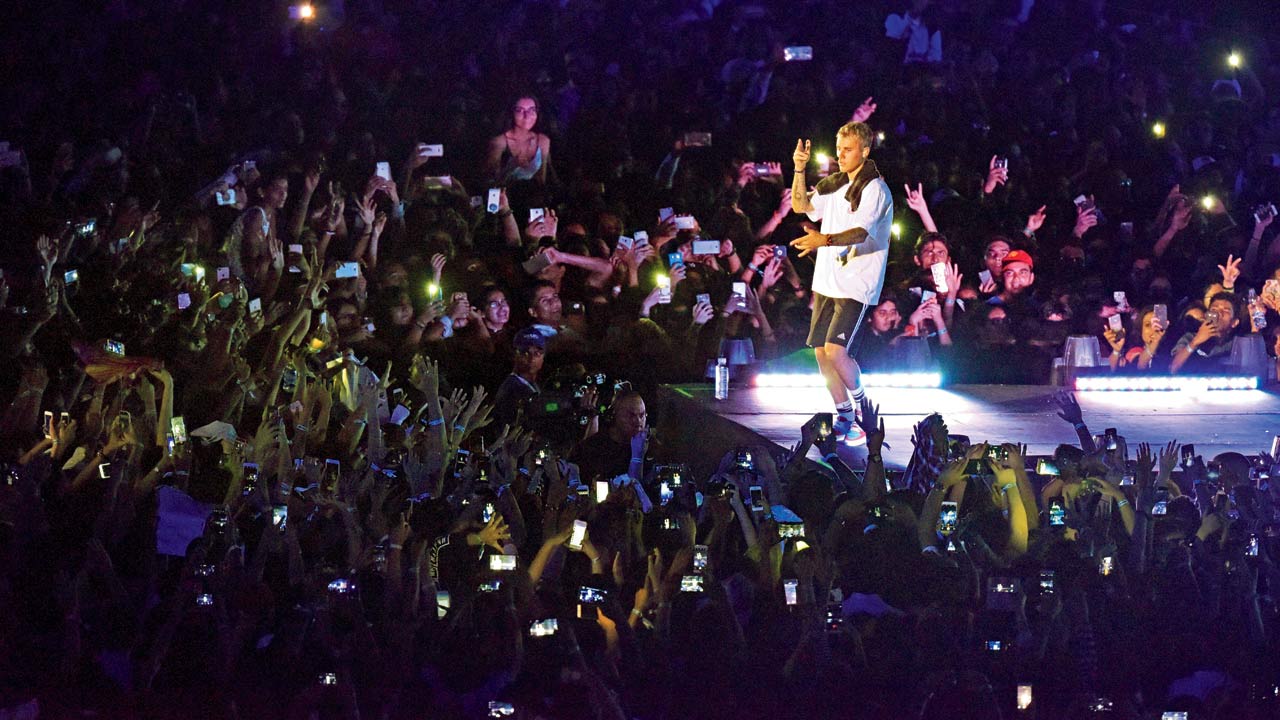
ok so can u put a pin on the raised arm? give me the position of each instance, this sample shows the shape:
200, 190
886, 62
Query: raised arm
799, 191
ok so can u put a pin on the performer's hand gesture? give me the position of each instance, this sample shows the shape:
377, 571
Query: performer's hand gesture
811, 241
801, 155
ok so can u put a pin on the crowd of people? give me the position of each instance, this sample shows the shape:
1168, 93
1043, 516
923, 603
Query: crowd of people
332, 330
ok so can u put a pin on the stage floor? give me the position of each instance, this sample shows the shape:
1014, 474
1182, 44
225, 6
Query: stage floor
1218, 421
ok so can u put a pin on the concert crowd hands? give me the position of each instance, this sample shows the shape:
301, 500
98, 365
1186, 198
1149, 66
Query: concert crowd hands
207, 304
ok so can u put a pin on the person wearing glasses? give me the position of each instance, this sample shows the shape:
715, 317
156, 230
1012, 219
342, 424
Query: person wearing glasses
520, 153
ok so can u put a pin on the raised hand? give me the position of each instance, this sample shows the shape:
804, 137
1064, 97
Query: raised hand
1230, 272
801, 155
437, 267
1085, 219
915, 199
996, 176
47, 249
702, 313
1068, 408
495, 534
1035, 221
1169, 455
871, 423
864, 111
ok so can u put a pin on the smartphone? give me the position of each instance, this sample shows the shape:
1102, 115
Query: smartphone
1046, 581
939, 271
602, 491
797, 53
1252, 548
1161, 507
536, 214
789, 588
1188, 454
823, 424
431, 151
706, 247
578, 535
700, 555
332, 473
1044, 466
49, 429
927, 295
1024, 697
665, 213
204, 599
442, 603
1173, 715
501, 709
104, 472
984, 276
495, 197
225, 197
835, 616
685, 222
178, 426
383, 170
626, 243
328, 679
222, 273
1161, 313
664, 290
544, 628
70, 276
1121, 299
1057, 513
1116, 323
703, 299
692, 584
674, 259
1111, 438
347, 270
1001, 163
489, 586
502, 563
279, 516
591, 596
1106, 566
740, 289
341, 586
487, 513
779, 252
948, 517
757, 497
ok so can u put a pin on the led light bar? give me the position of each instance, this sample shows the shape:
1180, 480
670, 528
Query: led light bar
813, 379
1121, 383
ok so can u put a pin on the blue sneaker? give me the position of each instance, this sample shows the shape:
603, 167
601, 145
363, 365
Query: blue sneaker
848, 431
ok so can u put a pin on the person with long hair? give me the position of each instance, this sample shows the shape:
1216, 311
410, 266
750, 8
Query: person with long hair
520, 153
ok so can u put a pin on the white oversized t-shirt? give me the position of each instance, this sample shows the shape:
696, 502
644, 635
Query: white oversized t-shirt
862, 277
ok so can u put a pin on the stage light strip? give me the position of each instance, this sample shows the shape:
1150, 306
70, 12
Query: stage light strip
1120, 383
892, 380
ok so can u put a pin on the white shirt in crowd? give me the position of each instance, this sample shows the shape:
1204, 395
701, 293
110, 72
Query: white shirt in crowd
862, 277
921, 45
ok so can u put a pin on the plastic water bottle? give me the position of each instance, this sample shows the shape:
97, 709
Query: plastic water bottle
1256, 311
722, 379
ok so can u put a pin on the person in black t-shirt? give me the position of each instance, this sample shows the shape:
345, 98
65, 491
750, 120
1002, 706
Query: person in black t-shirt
620, 449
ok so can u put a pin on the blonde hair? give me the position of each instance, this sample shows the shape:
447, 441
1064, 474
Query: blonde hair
862, 130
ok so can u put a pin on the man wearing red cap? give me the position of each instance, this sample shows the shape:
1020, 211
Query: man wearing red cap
1019, 275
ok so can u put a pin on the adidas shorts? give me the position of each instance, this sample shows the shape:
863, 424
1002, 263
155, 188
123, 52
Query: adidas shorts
835, 321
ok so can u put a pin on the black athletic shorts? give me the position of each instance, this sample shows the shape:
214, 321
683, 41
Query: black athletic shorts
835, 321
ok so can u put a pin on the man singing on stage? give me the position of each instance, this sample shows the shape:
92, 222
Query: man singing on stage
852, 246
